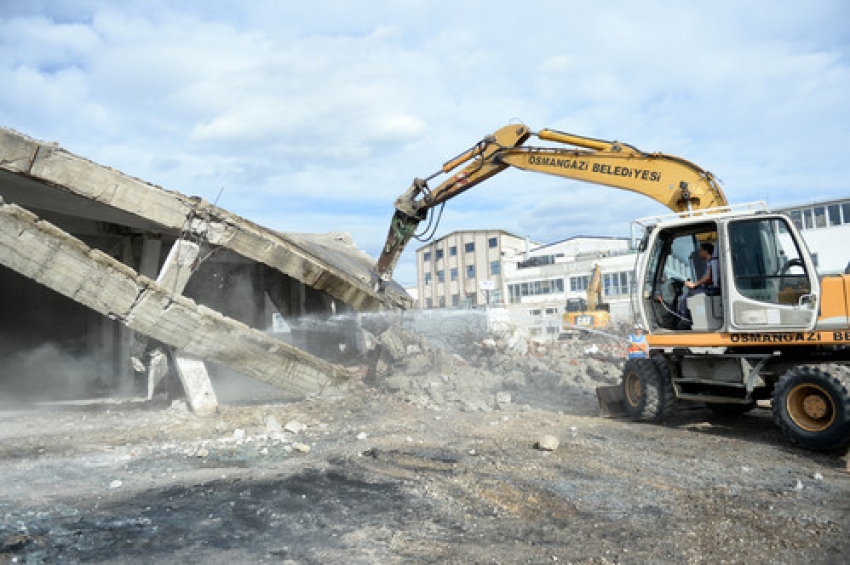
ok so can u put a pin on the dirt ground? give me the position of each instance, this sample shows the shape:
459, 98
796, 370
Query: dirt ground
377, 472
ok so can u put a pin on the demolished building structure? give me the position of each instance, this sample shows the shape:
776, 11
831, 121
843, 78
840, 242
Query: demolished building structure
101, 265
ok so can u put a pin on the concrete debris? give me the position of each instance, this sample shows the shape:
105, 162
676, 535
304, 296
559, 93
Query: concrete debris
503, 400
547, 443
294, 427
272, 425
488, 371
301, 447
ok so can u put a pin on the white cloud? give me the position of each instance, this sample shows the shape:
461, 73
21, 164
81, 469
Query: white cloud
320, 115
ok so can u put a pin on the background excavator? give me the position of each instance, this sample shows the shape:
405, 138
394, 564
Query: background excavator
590, 312
768, 329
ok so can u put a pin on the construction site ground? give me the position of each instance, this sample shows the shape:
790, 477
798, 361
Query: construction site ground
430, 466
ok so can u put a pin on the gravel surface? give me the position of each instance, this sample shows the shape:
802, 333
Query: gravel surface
437, 458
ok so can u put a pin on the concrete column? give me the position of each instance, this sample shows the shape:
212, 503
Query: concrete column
193, 373
177, 269
157, 369
196, 383
297, 294
151, 252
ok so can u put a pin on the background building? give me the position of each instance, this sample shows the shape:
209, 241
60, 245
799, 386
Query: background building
826, 228
464, 268
538, 283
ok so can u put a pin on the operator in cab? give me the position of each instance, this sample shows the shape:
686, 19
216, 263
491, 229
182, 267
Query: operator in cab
706, 251
705, 283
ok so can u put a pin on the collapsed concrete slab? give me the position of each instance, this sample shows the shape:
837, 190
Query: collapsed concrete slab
49, 256
100, 238
325, 262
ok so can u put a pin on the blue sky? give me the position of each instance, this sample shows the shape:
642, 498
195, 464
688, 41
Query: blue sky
314, 116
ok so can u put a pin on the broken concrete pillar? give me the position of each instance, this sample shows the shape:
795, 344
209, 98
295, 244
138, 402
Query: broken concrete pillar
157, 370
177, 269
151, 252
196, 382
193, 374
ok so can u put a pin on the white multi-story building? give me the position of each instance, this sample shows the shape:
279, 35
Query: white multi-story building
464, 268
531, 281
539, 282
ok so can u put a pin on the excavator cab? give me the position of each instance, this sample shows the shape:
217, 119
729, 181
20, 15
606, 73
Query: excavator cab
763, 277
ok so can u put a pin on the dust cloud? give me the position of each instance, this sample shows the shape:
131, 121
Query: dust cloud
49, 373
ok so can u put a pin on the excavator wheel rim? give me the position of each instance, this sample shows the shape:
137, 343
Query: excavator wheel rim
810, 407
632, 389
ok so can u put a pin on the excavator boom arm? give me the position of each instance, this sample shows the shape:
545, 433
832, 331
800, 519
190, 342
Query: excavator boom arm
674, 182
594, 289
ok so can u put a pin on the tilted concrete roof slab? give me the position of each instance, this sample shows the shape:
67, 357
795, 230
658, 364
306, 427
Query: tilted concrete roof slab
324, 262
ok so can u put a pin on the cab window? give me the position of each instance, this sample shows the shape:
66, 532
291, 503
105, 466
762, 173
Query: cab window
766, 263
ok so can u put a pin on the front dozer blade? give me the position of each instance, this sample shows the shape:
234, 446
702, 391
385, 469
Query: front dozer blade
612, 403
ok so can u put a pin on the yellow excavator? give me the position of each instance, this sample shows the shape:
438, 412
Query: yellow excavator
590, 312
765, 328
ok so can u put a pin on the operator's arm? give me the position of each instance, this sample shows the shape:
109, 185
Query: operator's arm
704, 280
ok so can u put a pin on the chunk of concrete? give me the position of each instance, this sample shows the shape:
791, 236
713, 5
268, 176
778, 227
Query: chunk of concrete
196, 382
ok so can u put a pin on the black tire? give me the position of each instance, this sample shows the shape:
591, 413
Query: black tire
811, 405
647, 390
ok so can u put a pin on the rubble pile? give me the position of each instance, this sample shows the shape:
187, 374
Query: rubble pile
490, 370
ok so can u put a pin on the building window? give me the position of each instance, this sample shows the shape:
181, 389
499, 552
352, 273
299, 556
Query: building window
535, 313
469, 247
426, 256
495, 267
808, 222
470, 271
496, 296
534, 288
455, 300
617, 284
845, 210
438, 254
579, 284
493, 242
797, 218
820, 217
440, 277
453, 273
427, 278
550, 311
834, 212
453, 251
429, 303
